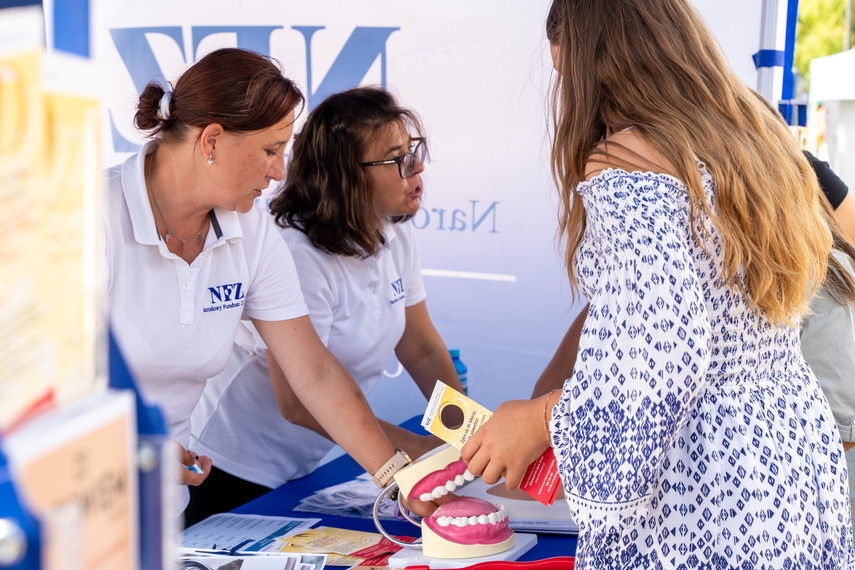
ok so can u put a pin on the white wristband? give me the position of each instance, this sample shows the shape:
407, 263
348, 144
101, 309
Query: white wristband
396, 463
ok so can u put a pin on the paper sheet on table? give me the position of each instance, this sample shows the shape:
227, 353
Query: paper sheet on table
246, 533
344, 547
254, 562
354, 498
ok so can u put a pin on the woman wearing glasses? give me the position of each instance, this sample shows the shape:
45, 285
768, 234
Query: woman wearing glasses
353, 183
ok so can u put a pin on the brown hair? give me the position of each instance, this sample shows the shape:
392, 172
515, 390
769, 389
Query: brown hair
839, 282
654, 65
239, 89
326, 194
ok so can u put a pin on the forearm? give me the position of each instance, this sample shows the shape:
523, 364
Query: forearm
308, 421
435, 365
847, 445
294, 411
341, 410
561, 365
422, 352
327, 391
413, 444
290, 406
845, 214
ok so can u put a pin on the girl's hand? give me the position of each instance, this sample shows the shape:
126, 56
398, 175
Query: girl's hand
507, 443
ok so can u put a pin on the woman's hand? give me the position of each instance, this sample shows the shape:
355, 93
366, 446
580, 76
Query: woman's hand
426, 509
507, 443
187, 459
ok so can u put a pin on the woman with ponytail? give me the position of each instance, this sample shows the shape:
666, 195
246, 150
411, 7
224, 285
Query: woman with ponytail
189, 256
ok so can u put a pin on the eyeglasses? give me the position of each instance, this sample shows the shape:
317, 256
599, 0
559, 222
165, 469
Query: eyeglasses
406, 162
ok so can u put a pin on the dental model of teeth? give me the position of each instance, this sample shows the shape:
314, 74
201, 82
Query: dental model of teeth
492, 518
449, 487
464, 527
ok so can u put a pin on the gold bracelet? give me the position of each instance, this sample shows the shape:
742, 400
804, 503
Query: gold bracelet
545, 422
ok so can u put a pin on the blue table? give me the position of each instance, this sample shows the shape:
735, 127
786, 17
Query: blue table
281, 502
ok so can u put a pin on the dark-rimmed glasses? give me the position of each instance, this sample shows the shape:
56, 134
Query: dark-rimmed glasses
406, 162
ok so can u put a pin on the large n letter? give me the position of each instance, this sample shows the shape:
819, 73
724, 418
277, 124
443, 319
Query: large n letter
355, 59
136, 53
140, 62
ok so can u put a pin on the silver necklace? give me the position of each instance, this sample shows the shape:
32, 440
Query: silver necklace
169, 233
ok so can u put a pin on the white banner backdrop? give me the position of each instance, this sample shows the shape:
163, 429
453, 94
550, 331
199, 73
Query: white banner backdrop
478, 74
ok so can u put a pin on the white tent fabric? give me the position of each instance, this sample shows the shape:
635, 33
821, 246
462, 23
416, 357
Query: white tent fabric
478, 74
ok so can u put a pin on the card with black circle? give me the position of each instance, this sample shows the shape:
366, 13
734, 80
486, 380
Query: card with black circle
453, 417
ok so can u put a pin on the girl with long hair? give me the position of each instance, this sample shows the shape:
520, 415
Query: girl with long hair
692, 432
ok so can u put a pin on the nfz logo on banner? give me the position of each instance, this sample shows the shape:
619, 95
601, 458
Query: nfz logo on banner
351, 65
228, 296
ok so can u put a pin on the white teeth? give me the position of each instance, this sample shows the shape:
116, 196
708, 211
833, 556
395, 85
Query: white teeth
461, 522
449, 487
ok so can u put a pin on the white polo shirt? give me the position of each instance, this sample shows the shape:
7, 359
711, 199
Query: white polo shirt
176, 323
357, 307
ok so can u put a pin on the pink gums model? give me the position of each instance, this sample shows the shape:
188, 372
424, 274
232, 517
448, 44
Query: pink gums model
452, 475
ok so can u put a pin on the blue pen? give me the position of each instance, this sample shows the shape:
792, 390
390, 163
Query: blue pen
195, 468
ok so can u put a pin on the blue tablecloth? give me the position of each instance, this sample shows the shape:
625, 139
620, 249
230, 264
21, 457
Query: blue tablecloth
281, 501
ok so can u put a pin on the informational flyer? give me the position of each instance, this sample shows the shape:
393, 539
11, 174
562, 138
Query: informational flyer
191, 558
50, 321
229, 532
344, 547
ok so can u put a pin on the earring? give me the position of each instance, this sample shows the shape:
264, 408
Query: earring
210, 159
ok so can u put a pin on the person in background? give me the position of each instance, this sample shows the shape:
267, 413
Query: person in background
188, 255
692, 432
353, 183
828, 329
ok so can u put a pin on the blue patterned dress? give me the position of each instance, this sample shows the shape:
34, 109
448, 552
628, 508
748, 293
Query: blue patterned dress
692, 433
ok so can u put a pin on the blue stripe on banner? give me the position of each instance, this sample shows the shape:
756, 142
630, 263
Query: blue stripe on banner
789, 49
71, 26
768, 58
18, 3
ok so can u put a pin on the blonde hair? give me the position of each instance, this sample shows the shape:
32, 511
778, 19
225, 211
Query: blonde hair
654, 65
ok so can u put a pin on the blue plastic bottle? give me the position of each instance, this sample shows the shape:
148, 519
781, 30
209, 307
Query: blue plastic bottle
462, 371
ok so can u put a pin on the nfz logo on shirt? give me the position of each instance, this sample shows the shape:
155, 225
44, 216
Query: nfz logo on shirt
397, 291
228, 296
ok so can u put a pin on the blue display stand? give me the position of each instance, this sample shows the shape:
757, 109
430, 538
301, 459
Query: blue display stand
154, 472
20, 538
